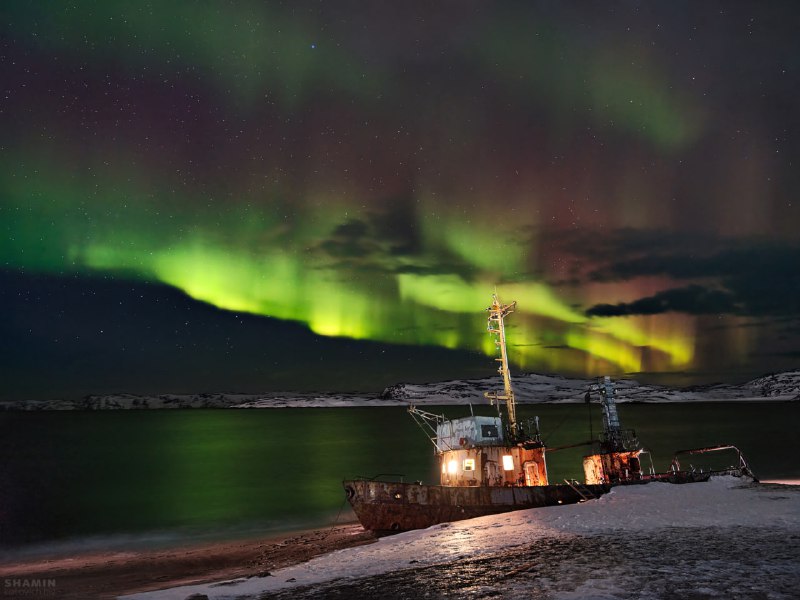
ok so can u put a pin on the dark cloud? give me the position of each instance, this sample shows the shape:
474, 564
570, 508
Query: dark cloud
790, 354
397, 224
769, 259
754, 278
694, 299
626, 242
403, 250
353, 229
381, 236
350, 240
463, 270
388, 242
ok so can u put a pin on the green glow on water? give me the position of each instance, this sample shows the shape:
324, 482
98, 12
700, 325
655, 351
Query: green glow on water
126, 472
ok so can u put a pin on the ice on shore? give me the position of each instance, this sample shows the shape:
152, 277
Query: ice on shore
752, 530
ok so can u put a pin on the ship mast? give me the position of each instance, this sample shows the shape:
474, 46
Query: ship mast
497, 312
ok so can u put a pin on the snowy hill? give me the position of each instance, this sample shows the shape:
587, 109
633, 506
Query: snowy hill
530, 388
535, 388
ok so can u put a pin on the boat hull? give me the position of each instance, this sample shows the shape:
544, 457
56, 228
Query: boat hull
385, 507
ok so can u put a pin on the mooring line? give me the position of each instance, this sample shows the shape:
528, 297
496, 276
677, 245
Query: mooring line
336, 520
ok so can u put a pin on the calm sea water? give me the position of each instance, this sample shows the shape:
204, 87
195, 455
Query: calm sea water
150, 475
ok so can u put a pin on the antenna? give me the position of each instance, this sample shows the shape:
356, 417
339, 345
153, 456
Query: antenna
497, 312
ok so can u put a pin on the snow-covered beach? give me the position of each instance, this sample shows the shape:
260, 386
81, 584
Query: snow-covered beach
726, 538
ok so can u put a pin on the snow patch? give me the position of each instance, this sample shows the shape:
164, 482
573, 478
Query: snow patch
730, 506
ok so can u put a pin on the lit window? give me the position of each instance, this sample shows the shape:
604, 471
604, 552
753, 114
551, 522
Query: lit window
508, 462
444, 468
469, 464
452, 467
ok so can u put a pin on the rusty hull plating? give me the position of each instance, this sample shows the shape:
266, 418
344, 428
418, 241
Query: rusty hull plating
387, 507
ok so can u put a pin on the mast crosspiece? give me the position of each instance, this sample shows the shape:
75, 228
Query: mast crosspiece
496, 326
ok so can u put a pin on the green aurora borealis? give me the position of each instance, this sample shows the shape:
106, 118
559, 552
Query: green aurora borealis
373, 172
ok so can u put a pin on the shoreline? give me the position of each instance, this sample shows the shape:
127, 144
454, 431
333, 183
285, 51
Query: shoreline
106, 575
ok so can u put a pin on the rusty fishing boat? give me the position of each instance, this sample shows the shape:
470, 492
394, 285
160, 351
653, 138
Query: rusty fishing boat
494, 464
488, 464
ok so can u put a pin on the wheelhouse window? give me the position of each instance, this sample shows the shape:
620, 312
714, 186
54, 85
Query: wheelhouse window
489, 431
508, 462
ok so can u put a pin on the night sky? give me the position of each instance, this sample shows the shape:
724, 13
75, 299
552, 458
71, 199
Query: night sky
254, 196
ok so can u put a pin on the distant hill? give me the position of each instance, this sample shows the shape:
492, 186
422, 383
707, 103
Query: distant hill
535, 388
530, 388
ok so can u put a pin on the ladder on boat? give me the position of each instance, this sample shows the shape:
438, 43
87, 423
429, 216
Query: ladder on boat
584, 492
